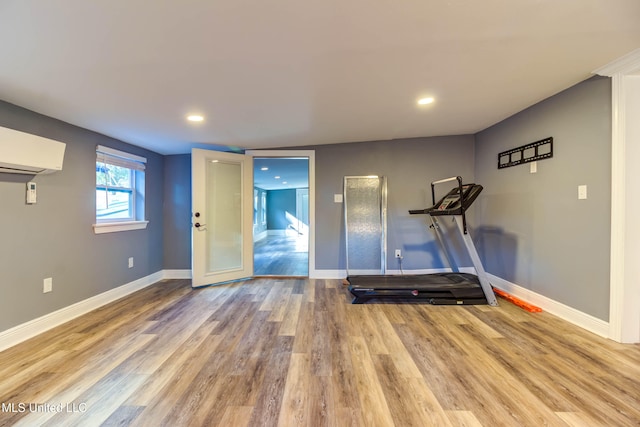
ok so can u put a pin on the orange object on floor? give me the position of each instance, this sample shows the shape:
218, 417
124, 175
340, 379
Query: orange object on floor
517, 301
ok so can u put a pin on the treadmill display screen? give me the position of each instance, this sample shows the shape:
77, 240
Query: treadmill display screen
451, 204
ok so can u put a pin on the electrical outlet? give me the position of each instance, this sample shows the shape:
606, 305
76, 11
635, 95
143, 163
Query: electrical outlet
582, 192
398, 253
130, 262
47, 285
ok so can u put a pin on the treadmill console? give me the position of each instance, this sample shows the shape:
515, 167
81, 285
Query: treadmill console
452, 203
452, 199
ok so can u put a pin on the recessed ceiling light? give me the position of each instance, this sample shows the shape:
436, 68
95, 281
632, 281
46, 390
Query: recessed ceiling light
277, 177
195, 118
284, 182
425, 101
264, 168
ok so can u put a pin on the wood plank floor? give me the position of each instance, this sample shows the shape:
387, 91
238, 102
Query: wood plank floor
296, 352
281, 255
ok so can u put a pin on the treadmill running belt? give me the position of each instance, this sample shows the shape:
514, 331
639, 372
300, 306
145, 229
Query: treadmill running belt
439, 288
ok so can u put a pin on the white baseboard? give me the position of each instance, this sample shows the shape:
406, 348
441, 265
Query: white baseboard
259, 236
176, 274
578, 318
327, 274
431, 271
27, 330
341, 274
34, 327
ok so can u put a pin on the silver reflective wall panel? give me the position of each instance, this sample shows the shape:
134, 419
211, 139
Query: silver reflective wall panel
365, 206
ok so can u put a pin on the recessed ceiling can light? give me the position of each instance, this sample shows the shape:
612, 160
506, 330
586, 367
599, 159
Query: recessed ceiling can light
195, 118
264, 168
425, 101
277, 177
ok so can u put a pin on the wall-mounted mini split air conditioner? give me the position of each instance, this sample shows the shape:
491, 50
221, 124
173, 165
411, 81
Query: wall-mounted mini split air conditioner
24, 153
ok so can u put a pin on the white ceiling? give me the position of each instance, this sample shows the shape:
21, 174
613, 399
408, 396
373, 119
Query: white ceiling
280, 173
285, 73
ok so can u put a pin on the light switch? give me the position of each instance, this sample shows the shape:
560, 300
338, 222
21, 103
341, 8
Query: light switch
337, 198
47, 285
533, 167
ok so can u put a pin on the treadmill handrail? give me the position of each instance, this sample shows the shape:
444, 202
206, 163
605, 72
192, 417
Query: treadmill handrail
453, 178
441, 181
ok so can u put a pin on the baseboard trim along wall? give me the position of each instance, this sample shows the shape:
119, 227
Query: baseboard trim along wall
176, 274
341, 274
578, 318
27, 330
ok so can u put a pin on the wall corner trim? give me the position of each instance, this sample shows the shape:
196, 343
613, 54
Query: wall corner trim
623, 65
623, 298
34, 327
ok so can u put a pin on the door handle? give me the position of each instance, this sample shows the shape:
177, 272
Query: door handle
197, 224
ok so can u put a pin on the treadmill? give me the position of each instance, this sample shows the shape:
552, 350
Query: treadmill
451, 288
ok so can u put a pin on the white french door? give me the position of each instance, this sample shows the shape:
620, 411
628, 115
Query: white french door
222, 221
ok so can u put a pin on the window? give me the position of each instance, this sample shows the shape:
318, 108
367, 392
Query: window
263, 208
255, 206
119, 191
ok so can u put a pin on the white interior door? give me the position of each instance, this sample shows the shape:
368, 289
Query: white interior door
222, 209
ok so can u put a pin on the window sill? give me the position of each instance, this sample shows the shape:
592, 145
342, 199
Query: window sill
113, 227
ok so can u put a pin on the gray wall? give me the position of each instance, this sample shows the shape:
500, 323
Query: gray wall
55, 238
532, 229
177, 212
409, 165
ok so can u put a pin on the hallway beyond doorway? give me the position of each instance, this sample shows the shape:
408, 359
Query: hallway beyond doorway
282, 255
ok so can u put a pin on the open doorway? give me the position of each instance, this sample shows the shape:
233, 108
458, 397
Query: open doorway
281, 216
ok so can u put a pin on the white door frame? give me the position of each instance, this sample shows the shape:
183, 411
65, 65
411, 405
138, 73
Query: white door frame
311, 155
624, 292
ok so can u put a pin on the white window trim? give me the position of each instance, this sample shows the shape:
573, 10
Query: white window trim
132, 162
113, 227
